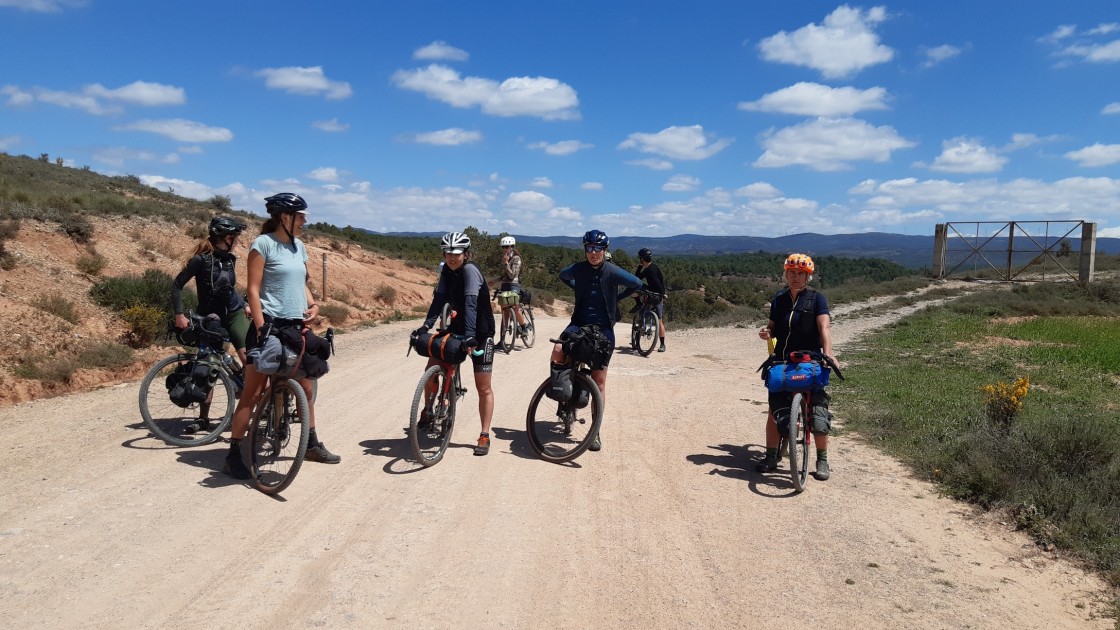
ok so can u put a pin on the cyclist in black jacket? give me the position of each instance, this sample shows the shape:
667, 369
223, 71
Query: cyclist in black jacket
654, 281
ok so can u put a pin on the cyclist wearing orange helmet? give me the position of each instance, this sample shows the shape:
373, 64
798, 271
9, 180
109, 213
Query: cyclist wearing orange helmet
799, 320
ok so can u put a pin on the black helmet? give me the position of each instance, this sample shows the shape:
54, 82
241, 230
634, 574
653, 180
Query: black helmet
224, 226
596, 237
285, 203
645, 254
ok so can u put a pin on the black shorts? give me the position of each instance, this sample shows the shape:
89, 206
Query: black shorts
484, 363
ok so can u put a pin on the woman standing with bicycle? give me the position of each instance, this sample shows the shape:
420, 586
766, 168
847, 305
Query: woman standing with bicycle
279, 297
213, 266
655, 281
598, 286
462, 284
799, 320
510, 278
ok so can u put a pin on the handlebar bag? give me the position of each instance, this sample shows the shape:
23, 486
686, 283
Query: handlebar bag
795, 377
445, 347
508, 298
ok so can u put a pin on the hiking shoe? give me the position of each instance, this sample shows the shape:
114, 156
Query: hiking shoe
596, 444
662, 348
319, 453
822, 470
425, 423
483, 446
202, 424
769, 464
235, 466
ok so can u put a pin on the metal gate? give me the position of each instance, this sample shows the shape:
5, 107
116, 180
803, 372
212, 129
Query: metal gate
1016, 250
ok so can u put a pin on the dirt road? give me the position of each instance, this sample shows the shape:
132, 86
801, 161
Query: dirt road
668, 527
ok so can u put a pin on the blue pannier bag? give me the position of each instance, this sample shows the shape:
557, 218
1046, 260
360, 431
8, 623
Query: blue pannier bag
791, 377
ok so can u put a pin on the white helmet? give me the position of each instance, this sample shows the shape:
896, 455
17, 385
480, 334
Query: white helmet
507, 241
455, 243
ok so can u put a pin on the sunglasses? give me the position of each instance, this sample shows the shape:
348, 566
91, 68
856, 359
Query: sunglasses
506, 246
593, 249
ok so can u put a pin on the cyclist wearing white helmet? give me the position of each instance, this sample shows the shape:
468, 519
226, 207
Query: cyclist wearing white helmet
462, 285
510, 276
799, 320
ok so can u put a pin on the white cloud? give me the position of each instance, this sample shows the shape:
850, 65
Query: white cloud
518, 96
541, 182
937, 54
963, 155
20, 97
439, 50
331, 125
452, 137
140, 93
678, 143
16, 96
117, 157
327, 174
1096, 155
652, 164
759, 190
529, 201
43, 6
1095, 53
309, 81
180, 130
565, 216
681, 183
814, 99
564, 147
193, 149
827, 144
8, 142
1087, 45
591, 186
843, 45
1062, 32
1111, 108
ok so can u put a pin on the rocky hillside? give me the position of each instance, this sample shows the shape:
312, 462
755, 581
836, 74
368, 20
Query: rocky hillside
363, 286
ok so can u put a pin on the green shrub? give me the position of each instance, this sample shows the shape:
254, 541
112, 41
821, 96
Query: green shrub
144, 323
153, 289
221, 202
337, 313
76, 226
386, 294
9, 229
52, 369
91, 263
197, 231
105, 354
8, 260
58, 306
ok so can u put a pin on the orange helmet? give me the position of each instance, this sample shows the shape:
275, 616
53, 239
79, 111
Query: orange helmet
800, 262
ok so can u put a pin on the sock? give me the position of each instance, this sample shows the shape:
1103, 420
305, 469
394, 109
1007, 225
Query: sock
662, 341
312, 439
772, 453
484, 434
822, 456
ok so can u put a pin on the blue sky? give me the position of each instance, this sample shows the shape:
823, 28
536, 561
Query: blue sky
644, 118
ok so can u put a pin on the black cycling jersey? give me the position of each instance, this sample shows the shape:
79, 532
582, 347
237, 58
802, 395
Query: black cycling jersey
215, 277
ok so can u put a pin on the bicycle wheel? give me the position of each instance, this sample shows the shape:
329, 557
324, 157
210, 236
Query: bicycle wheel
433, 416
647, 333
529, 332
634, 336
168, 421
509, 324
798, 440
278, 434
560, 432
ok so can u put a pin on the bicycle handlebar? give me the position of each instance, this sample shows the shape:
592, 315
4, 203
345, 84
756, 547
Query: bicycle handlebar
812, 355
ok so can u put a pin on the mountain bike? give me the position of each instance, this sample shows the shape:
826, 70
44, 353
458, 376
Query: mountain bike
646, 326
796, 440
179, 393
510, 331
279, 430
560, 431
432, 419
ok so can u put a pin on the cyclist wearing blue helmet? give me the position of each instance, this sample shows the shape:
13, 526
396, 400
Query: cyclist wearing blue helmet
598, 285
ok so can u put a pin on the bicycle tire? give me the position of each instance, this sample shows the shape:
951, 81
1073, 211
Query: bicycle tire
530, 337
798, 438
167, 421
429, 442
276, 453
647, 333
634, 328
507, 335
559, 432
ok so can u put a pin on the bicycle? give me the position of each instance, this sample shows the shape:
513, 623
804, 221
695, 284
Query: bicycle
646, 325
182, 389
510, 329
795, 442
560, 431
279, 430
432, 419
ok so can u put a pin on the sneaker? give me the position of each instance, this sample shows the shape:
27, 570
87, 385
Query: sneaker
202, 424
319, 453
483, 446
425, 423
769, 464
235, 465
822, 470
662, 348
596, 444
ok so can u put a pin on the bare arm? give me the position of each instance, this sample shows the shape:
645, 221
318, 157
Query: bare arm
253, 287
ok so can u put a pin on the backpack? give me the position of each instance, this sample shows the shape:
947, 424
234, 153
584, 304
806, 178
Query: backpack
191, 383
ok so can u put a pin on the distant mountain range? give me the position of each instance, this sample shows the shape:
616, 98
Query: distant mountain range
907, 250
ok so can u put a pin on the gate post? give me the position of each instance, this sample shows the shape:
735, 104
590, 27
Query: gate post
940, 239
1088, 259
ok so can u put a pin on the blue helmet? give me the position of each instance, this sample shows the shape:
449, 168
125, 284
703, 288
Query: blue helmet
596, 237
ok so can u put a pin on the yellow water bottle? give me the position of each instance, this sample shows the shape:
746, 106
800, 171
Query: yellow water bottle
772, 344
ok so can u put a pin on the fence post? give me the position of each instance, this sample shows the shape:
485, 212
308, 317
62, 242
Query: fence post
324, 276
940, 242
1087, 262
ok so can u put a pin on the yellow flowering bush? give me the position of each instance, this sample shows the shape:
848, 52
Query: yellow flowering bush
1003, 402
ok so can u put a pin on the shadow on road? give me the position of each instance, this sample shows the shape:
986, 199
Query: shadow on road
737, 462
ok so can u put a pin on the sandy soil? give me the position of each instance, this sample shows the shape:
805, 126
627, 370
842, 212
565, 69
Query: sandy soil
102, 526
